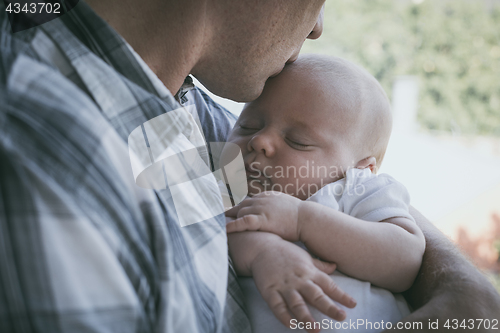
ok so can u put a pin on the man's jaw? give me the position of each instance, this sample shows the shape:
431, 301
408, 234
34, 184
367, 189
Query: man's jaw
277, 72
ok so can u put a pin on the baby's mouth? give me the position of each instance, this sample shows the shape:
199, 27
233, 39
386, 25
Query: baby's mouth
254, 173
256, 176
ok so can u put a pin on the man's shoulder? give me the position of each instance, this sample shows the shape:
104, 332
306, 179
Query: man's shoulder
216, 121
31, 86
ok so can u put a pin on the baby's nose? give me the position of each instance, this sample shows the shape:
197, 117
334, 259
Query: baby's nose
262, 143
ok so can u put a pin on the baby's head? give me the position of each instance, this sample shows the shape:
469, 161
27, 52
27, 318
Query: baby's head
319, 117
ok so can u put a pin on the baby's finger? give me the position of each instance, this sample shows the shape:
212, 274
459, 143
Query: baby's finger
299, 308
315, 296
279, 308
234, 211
249, 210
325, 267
247, 222
333, 291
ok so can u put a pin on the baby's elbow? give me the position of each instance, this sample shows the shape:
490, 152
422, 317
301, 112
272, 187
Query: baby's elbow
409, 265
405, 280
418, 248
417, 254
409, 277
416, 243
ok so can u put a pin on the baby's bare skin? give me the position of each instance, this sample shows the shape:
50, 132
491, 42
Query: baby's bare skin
331, 112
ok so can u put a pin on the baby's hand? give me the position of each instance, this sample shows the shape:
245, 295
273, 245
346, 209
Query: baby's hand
287, 277
269, 211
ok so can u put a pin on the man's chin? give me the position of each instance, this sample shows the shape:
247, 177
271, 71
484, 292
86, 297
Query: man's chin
241, 92
248, 96
245, 92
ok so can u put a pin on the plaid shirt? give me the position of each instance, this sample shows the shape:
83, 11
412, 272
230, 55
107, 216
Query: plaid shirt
82, 247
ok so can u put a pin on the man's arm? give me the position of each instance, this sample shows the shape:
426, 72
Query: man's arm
448, 286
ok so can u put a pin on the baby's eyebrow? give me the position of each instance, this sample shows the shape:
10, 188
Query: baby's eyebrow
254, 115
298, 123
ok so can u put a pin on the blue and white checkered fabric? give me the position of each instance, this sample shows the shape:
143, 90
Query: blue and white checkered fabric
82, 247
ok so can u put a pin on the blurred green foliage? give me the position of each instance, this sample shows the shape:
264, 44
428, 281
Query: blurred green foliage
495, 279
452, 46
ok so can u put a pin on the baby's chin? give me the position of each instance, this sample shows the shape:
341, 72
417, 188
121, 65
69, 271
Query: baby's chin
255, 187
259, 185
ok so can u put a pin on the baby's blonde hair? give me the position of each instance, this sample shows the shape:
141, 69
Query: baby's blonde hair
358, 95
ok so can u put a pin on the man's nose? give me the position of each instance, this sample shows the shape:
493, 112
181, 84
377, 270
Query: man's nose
314, 34
318, 27
262, 143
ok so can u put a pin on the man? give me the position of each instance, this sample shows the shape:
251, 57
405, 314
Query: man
83, 248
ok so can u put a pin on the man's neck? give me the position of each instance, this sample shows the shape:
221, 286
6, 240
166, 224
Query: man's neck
157, 32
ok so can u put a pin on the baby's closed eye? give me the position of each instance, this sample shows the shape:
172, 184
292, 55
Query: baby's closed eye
296, 144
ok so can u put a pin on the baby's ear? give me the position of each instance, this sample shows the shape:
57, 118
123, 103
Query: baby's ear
369, 162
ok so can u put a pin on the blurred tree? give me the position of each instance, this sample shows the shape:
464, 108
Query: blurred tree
452, 46
482, 250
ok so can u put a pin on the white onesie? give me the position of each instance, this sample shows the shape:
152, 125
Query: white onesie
368, 197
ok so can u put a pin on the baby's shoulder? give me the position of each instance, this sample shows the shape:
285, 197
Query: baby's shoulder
354, 180
364, 177
373, 197
360, 186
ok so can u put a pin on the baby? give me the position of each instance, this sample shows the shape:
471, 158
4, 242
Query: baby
315, 138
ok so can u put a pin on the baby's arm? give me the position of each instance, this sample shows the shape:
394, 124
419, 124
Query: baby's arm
387, 254
287, 276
